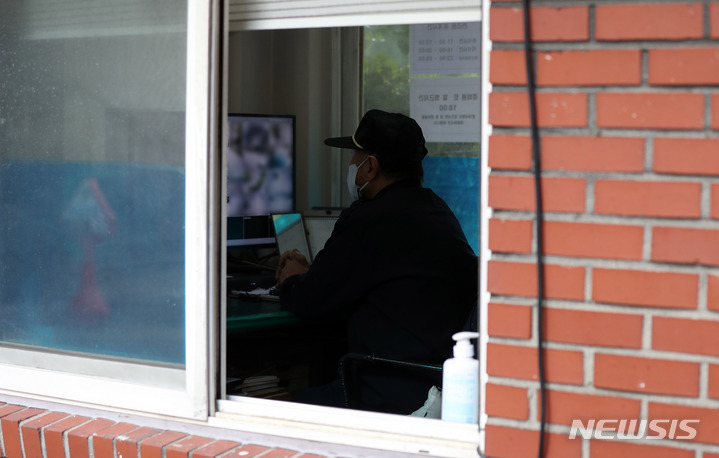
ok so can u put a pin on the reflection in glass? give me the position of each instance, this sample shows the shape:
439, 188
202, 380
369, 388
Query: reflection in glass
451, 169
92, 182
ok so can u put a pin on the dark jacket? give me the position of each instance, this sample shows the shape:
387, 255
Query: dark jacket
400, 268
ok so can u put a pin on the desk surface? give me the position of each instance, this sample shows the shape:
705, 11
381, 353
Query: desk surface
245, 315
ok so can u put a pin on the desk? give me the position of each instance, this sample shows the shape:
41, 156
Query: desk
248, 315
263, 339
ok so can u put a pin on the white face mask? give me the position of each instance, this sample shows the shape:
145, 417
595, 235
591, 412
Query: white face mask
352, 177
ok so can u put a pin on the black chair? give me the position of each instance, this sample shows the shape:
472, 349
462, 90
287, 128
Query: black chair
348, 371
347, 377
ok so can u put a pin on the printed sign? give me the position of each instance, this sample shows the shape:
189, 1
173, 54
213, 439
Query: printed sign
447, 109
445, 49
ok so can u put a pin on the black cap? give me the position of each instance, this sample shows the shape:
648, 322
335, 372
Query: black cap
391, 136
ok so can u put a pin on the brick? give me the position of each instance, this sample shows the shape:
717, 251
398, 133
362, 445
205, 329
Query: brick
32, 432
683, 335
662, 199
642, 288
613, 449
507, 402
715, 111
646, 375
593, 154
581, 154
153, 447
11, 430
561, 366
714, 201
546, 24
707, 430
103, 441
128, 445
503, 441
8, 409
520, 279
78, 441
563, 407
685, 245
183, 447
510, 152
593, 240
585, 327
677, 111
686, 156
246, 451
505, 320
685, 66
214, 449
507, 66
280, 453
511, 109
589, 68
713, 388
713, 292
566, 195
590, 154
649, 22
53, 434
714, 20
510, 236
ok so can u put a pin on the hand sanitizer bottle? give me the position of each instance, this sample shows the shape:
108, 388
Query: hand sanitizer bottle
460, 381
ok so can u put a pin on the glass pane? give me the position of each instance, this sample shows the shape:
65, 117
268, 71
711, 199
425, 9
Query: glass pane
451, 169
92, 180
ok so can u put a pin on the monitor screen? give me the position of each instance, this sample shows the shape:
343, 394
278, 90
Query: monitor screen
260, 175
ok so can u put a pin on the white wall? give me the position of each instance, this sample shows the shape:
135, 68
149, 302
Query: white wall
291, 72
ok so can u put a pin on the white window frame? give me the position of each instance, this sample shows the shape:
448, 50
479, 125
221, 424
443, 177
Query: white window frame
188, 392
485, 214
355, 428
293, 14
146, 387
344, 426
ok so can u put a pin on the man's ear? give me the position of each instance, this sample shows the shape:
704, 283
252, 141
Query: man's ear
374, 168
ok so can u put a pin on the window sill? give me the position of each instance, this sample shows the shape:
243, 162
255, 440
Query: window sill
386, 432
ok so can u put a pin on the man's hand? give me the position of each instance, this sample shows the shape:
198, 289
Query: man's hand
291, 263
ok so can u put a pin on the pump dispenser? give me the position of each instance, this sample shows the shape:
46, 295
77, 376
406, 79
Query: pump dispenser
460, 381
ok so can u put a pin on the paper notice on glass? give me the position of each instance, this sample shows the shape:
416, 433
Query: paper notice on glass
447, 109
445, 49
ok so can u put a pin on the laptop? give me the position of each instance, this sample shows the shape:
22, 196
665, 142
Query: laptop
319, 225
295, 231
291, 234
306, 232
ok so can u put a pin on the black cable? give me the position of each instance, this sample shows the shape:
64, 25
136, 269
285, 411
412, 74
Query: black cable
536, 165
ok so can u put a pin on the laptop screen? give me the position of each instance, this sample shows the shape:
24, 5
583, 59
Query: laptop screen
290, 233
319, 228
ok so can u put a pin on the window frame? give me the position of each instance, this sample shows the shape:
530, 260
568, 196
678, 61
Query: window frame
190, 393
388, 432
149, 387
343, 426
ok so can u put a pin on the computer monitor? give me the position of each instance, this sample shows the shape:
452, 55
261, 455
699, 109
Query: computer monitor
260, 175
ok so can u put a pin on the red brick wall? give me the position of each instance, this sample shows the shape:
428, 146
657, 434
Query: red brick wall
628, 109
37, 433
